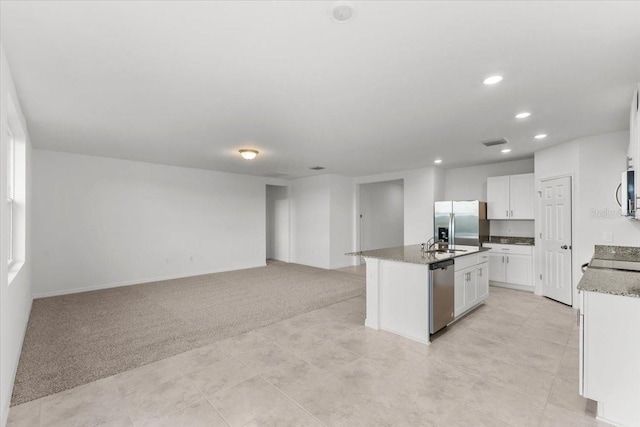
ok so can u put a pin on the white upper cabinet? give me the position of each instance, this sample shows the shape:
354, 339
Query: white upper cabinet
522, 192
498, 197
511, 197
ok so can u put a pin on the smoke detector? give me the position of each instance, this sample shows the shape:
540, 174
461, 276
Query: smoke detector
317, 168
342, 12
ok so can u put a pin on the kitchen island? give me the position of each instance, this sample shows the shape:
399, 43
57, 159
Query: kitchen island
399, 281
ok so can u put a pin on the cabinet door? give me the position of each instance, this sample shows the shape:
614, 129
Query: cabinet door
519, 269
521, 196
470, 291
482, 281
496, 267
459, 287
498, 197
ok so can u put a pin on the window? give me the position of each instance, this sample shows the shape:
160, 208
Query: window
14, 170
11, 191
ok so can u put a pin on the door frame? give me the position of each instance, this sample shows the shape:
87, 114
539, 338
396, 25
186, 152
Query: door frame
537, 261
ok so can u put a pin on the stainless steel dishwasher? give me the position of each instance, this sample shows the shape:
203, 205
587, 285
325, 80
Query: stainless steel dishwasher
441, 294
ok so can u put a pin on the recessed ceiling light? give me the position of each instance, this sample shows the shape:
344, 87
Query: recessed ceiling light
541, 136
437, 161
342, 12
492, 80
248, 154
522, 115
506, 150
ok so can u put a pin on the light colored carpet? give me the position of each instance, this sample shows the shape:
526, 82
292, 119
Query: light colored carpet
75, 339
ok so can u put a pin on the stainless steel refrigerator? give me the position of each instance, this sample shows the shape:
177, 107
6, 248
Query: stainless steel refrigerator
461, 222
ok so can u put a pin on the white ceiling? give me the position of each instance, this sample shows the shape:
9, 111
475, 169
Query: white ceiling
189, 83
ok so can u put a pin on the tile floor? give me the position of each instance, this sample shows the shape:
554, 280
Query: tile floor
512, 362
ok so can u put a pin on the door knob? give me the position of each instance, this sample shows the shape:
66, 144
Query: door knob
564, 247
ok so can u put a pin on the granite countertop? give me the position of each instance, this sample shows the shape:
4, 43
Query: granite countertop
412, 254
612, 281
511, 240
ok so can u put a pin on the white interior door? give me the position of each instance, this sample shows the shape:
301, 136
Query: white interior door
556, 239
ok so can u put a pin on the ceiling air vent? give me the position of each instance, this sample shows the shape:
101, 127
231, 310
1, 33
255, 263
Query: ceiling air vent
493, 142
316, 168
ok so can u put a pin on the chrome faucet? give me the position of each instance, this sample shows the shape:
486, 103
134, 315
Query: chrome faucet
430, 243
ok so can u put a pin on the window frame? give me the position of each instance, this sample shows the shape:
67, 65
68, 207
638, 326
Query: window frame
11, 193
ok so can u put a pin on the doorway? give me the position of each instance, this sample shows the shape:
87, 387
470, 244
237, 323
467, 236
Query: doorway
555, 237
277, 223
381, 216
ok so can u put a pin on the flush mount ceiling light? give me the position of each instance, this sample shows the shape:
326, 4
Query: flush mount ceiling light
342, 12
541, 136
248, 154
437, 161
522, 115
505, 150
492, 80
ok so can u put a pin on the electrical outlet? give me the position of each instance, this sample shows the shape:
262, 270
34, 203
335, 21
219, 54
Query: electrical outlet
607, 236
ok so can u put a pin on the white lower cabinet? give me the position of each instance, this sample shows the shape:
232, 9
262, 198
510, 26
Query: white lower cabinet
471, 283
609, 355
511, 265
497, 268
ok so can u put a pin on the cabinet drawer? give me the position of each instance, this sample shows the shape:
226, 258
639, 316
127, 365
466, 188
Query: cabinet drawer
511, 249
466, 261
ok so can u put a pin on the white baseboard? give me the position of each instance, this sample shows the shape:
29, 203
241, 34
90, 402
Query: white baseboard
512, 286
133, 282
6, 405
333, 267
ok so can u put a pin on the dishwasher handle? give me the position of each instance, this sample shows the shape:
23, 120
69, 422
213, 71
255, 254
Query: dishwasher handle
441, 265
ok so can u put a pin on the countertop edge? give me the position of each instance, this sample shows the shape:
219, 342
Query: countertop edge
421, 261
610, 282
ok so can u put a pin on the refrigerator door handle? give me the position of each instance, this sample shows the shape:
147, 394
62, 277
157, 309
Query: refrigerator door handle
452, 228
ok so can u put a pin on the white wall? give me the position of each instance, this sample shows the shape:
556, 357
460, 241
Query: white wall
323, 211
595, 164
15, 297
101, 222
311, 224
277, 222
422, 187
382, 211
342, 214
520, 228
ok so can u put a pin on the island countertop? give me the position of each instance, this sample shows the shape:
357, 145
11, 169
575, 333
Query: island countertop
413, 254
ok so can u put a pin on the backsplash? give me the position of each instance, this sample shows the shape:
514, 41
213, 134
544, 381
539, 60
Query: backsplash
512, 228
